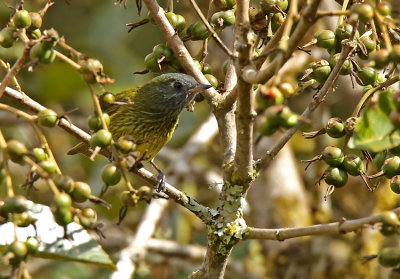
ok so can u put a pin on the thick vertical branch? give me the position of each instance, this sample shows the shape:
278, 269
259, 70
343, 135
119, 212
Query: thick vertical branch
245, 112
230, 227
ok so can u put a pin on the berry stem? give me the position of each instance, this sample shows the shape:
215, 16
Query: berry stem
3, 147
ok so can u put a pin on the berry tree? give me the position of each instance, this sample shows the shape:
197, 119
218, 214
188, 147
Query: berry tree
296, 138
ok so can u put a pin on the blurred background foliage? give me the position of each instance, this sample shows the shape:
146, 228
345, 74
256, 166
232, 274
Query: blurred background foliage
97, 28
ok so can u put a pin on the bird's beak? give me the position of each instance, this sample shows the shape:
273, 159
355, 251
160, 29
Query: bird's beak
200, 87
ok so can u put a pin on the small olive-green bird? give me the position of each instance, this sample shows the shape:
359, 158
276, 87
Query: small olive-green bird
151, 113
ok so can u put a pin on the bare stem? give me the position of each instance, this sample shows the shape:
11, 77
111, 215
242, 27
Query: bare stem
344, 226
14, 70
210, 29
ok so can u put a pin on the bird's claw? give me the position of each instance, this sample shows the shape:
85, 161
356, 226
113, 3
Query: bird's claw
160, 186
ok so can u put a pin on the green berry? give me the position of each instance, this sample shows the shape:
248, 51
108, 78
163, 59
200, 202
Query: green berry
63, 216
268, 6
128, 198
198, 31
335, 176
326, 39
151, 63
364, 11
380, 58
206, 70
276, 21
384, 8
52, 39
94, 122
32, 244
48, 166
101, 138
391, 166
19, 249
267, 126
390, 218
223, 19
16, 204
42, 53
16, 151
125, 145
62, 200
347, 65
343, 32
367, 75
212, 80
335, 128
81, 192
395, 184
36, 19
177, 21
47, 118
22, 19
333, 156
22, 219
389, 256
64, 183
88, 218
110, 175
7, 37
353, 165
163, 51
39, 154
369, 43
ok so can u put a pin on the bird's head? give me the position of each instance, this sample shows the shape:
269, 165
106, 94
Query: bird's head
173, 90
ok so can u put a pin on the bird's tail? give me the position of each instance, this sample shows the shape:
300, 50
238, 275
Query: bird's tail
82, 147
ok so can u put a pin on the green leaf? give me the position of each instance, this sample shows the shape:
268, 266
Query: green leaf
374, 131
80, 246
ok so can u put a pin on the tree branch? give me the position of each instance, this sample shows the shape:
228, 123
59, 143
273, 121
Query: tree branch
343, 226
252, 75
211, 30
348, 47
204, 213
245, 111
176, 44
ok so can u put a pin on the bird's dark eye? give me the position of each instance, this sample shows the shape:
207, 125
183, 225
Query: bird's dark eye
178, 84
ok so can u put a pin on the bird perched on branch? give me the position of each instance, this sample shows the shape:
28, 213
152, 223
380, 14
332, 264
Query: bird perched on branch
150, 114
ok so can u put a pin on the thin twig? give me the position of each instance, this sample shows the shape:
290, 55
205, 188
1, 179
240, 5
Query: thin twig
211, 30
15, 69
347, 47
344, 226
308, 18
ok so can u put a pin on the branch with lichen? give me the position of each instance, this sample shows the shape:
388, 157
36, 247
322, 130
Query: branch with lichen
340, 227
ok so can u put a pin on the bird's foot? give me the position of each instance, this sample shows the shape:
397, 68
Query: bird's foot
160, 186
